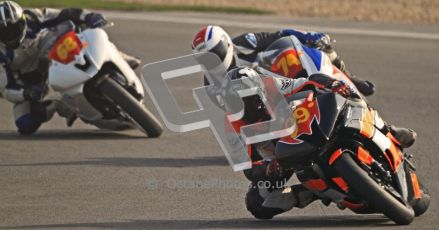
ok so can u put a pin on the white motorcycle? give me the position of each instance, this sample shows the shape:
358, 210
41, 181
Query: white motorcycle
96, 82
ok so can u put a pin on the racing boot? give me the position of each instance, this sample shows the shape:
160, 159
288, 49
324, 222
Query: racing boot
67, 112
37, 114
265, 203
132, 61
405, 136
365, 87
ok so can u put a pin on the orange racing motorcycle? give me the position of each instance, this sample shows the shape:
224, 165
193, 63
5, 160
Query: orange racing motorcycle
342, 150
344, 153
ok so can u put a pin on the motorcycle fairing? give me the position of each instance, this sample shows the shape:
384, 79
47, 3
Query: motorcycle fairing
97, 51
290, 156
415, 186
368, 123
314, 61
316, 119
287, 63
309, 112
282, 55
305, 114
315, 55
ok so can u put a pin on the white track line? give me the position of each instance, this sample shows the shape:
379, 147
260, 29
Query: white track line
263, 25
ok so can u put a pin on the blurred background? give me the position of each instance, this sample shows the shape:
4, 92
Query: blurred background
425, 12
395, 11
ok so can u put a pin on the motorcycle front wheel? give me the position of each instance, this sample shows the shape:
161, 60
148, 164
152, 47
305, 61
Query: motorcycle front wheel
142, 118
369, 190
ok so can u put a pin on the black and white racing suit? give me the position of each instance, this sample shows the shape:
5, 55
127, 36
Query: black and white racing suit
25, 68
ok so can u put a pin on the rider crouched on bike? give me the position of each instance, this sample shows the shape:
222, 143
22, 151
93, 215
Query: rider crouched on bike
243, 50
21, 36
268, 195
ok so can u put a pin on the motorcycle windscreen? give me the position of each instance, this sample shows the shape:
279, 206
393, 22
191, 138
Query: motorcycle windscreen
331, 105
52, 35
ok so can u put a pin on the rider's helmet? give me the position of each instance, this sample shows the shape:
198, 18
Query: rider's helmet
215, 40
12, 24
254, 108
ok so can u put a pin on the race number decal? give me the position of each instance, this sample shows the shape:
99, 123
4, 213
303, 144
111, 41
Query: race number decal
287, 64
66, 48
304, 115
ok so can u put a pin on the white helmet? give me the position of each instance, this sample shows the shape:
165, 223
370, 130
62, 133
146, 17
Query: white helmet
12, 24
215, 40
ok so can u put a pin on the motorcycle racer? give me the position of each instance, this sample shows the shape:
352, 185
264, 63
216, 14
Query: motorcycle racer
268, 195
244, 49
22, 33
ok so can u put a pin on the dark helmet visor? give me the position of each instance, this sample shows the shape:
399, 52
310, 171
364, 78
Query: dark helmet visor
11, 34
221, 49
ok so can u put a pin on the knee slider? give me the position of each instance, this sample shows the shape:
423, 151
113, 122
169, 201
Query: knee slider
254, 201
27, 124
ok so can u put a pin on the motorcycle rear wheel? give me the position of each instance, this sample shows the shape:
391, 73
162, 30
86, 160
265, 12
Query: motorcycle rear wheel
364, 186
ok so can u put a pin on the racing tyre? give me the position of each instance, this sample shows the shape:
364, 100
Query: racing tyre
364, 186
143, 118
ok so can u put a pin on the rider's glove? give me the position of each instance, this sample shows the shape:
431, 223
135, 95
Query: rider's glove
34, 28
273, 169
35, 93
264, 170
341, 88
315, 39
95, 20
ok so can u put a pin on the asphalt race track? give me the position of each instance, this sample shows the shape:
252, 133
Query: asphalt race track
81, 177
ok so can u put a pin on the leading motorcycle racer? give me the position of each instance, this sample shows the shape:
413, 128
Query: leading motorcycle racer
22, 32
265, 200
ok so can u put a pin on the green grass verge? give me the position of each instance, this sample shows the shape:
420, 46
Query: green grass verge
116, 5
